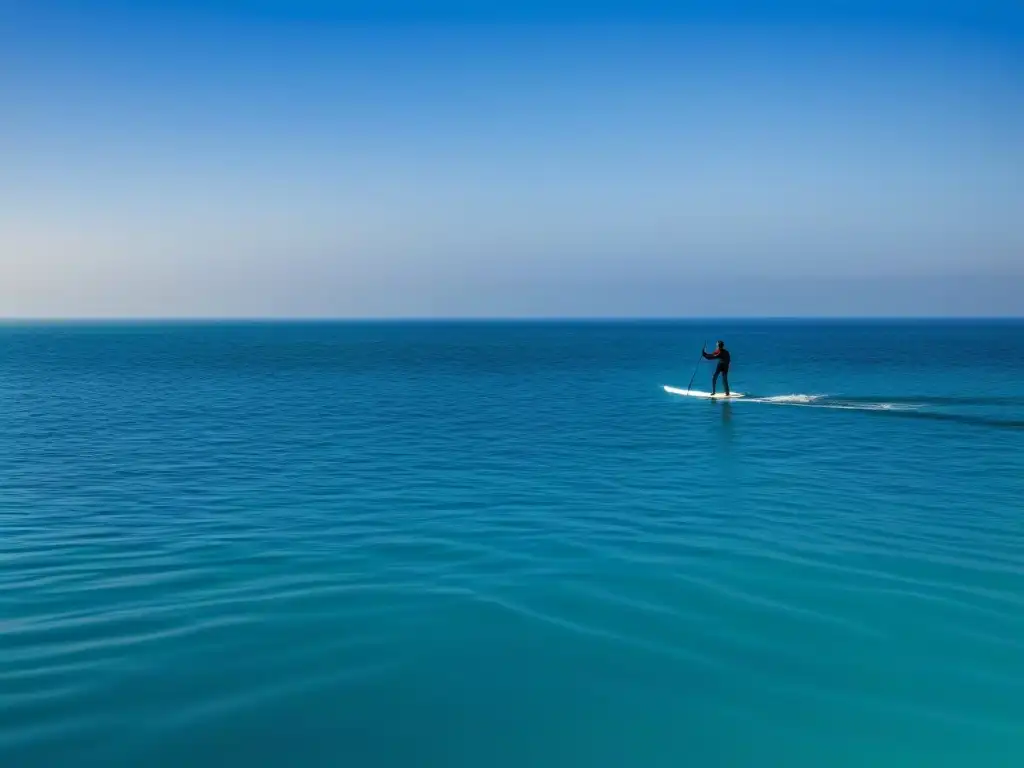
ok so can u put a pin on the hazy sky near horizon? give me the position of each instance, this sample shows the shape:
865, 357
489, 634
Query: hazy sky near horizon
323, 159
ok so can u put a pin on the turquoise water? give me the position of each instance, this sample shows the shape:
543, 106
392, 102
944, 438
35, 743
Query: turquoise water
506, 545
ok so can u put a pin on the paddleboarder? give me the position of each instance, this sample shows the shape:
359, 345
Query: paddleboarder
721, 354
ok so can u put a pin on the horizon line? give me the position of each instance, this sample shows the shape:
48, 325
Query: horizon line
298, 319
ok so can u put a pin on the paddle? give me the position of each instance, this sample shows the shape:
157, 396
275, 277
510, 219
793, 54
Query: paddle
697, 367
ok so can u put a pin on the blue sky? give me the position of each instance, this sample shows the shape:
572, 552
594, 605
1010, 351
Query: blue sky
450, 159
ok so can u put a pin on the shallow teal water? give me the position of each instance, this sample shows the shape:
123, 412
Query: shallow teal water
506, 545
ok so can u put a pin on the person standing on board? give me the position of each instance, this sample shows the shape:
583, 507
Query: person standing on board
721, 354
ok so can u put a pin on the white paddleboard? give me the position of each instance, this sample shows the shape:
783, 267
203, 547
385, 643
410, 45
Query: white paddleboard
706, 395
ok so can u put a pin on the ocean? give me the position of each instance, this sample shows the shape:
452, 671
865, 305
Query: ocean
504, 544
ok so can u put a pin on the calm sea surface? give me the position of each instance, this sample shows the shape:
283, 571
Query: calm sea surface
506, 545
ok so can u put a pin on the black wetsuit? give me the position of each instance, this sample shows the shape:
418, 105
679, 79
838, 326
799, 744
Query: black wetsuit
724, 358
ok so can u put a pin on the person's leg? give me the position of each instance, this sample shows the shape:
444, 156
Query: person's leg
714, 380
725, 381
